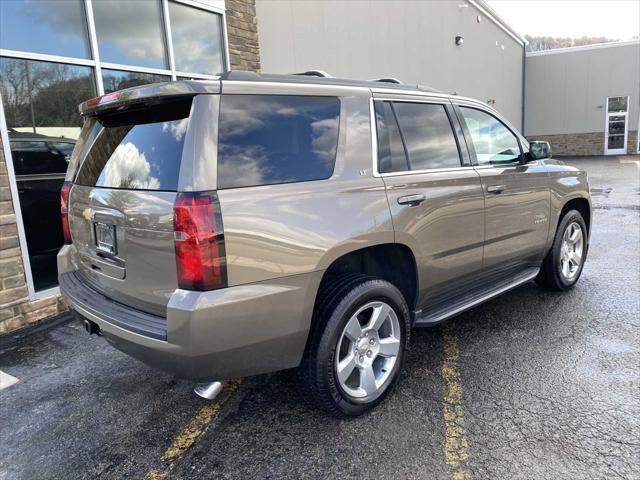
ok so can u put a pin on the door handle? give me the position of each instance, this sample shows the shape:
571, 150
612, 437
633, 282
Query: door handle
412, 200
495, 189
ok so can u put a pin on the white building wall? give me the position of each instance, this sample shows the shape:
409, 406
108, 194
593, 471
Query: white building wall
567, 89
411, 40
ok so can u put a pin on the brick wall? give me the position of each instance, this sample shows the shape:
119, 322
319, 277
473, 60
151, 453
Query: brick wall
582, 144
16, 311
632, 143
242, 34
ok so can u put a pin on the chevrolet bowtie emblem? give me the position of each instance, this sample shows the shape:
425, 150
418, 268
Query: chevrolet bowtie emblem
87, 214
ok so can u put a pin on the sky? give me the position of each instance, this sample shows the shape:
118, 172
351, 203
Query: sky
617, 19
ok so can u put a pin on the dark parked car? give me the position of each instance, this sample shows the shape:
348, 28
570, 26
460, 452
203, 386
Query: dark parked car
40, 163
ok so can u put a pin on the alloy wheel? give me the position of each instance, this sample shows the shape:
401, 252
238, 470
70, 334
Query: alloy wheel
368, 349
571, 251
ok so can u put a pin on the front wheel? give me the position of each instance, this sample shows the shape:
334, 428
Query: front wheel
358, 345
563, 265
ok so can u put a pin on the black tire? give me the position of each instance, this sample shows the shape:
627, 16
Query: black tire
339, 298
550, 276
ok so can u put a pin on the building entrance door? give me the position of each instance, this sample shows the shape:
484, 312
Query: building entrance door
615, 134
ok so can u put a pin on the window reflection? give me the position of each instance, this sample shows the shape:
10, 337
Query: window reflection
44, 26
113, 80
197, 39
136, 157
391, 154
428, 135
265, 139
130, 33
617, 104
493, 142
41, 107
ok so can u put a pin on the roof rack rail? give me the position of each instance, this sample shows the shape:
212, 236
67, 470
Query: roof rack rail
386, 80
315, 73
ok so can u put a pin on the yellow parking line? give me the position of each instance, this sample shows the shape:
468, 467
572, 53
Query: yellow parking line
196, 427
456, 446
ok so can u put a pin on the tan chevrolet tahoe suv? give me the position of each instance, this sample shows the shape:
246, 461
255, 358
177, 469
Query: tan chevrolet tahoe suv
226, 228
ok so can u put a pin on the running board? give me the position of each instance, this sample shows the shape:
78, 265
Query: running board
437, 314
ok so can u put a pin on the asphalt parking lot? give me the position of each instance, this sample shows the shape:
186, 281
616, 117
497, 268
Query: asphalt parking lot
531, 385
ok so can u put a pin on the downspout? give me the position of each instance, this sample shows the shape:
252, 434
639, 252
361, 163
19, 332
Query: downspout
524, 85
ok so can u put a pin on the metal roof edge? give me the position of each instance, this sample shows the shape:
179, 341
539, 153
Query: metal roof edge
486, 9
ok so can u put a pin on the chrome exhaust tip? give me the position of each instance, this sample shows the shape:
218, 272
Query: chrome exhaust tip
209, 390
91, 328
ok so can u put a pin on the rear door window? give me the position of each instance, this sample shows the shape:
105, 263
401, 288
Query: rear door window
428, 135
270, 139
415, 137
391, 154
141, 151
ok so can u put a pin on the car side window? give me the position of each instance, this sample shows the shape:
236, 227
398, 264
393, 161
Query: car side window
414, 136
271, 139
493, 142
428, 136
391, 154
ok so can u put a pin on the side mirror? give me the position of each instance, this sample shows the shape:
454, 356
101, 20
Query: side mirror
539, 150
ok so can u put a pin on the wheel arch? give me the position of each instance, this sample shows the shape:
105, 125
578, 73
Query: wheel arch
393, 262
582, 205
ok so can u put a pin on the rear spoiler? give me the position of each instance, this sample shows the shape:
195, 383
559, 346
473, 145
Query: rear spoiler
155, 92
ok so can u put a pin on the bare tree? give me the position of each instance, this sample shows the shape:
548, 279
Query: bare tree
539, 43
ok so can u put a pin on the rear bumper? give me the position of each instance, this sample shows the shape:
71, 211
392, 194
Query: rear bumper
216, 335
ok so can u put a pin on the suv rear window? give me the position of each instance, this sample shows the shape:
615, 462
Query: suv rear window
268, 139
138, 151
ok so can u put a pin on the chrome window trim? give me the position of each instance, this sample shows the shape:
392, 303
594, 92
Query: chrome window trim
374, 143
409, 96
240, 87
374, 138
506, 165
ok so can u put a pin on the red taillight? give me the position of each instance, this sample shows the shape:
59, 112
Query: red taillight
199, 241
64, 211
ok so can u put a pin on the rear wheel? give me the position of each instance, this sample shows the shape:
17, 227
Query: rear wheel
563, 264
358, 346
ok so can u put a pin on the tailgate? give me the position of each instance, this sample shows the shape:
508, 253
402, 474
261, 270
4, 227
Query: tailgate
121, 205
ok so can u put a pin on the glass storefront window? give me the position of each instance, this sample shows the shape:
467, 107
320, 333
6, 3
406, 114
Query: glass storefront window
130, 33
113, 80
41, 92
197, 40
41, 107
43, 97
617, 104
44, 26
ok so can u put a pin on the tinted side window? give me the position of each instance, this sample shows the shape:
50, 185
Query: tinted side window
268, 139
39, 157
428, 135
391, 154
493, 142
